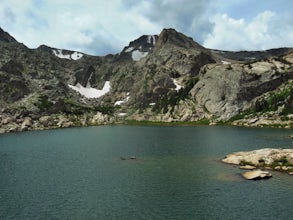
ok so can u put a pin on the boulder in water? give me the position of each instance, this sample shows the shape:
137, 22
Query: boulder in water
256, 175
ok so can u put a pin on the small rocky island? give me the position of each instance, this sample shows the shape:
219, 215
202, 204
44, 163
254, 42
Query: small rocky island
257, 160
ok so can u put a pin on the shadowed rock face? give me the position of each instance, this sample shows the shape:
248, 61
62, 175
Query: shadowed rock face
12, 82
165, 77
144, 43
5, 37
83, 76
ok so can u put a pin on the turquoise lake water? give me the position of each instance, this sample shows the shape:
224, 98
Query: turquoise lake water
77, 173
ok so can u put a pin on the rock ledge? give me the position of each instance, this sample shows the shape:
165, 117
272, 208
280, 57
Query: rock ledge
267, 158
256, 175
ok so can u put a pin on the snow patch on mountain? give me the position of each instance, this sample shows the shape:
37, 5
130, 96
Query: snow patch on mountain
74, 56
129, 49
120, 102
150, 38
90, 92
225, 62
176, 83
58, 53
154, 39
138, 55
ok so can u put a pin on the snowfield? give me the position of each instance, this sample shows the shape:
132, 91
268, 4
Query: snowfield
90, 92
137, 55
58, 53
176, 83
74, 56
129, 49
120, 102
150, 37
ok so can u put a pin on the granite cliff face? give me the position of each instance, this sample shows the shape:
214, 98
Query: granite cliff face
226, 90
165, 77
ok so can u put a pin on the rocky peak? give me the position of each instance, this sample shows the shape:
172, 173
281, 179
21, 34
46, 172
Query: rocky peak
171, 36
139, 48
45, 48
178, 53
143, 44
5, 37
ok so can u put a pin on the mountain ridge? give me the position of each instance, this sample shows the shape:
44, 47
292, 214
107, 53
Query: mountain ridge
166, 77
6, 37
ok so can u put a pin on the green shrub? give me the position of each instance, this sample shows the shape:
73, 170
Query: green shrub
283, 161
172, 98
275, 100
44, 103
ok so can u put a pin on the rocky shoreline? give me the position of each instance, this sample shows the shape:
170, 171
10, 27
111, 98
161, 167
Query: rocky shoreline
17, 123
262, 159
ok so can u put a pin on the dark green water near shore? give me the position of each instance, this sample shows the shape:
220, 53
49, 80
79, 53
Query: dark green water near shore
78, 174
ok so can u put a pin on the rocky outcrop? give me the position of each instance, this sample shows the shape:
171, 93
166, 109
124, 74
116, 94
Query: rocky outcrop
13, 123
268, 158
226, 90
245, 56
257, 175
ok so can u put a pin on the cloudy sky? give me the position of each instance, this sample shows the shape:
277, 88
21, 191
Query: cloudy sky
100, 27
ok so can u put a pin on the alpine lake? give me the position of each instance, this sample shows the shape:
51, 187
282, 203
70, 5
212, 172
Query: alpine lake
139, 172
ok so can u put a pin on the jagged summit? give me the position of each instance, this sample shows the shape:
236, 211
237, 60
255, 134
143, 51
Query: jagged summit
171, 36
5, 37
143, 43
168, 38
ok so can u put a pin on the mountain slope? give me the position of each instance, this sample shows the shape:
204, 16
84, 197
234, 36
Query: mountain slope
5, 37
165, 77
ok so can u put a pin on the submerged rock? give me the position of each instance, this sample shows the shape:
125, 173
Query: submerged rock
129, 158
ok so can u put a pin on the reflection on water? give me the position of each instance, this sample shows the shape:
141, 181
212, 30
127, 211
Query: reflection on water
177, 174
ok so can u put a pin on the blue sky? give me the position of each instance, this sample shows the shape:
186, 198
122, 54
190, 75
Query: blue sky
100, 27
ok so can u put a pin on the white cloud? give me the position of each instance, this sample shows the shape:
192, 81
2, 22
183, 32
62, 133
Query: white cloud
265, 31
100, 27
97, 27
187, 16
